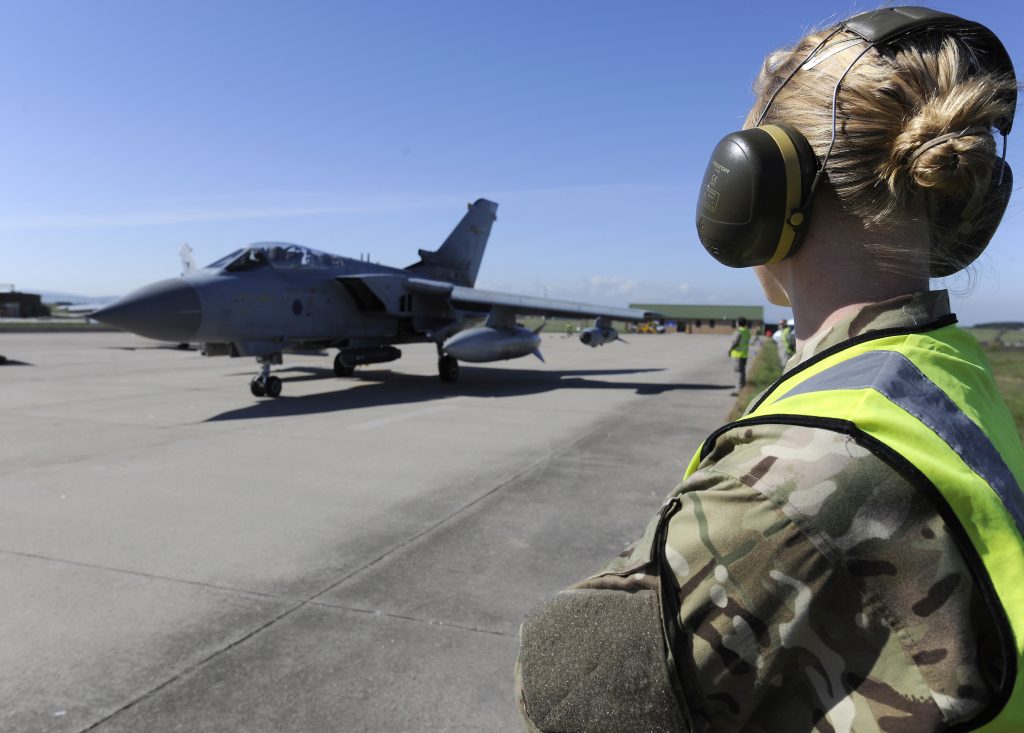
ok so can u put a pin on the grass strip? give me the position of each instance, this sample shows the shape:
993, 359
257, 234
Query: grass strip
54, 326
1008, 368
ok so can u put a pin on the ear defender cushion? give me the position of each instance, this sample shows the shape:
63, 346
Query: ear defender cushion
965, 234
753, 200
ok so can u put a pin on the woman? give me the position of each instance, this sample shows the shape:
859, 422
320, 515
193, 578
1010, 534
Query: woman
847, 556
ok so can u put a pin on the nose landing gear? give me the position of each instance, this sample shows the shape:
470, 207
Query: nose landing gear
263, 384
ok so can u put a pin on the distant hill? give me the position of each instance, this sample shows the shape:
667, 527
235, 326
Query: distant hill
1004, 325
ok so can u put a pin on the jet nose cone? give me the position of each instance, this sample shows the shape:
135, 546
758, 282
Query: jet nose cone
168, 310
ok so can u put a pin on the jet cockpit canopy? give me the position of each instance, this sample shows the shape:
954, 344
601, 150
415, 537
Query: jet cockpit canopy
280, 255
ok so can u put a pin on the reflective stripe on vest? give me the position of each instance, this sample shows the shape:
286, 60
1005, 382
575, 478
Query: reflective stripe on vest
930, 398
743, 345
896, 378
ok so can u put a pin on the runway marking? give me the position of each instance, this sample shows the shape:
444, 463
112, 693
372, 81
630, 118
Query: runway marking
398, 418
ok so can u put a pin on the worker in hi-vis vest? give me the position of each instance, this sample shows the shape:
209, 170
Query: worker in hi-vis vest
739, 349
786, 340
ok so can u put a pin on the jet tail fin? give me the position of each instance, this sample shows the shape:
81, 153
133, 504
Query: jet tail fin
458, 259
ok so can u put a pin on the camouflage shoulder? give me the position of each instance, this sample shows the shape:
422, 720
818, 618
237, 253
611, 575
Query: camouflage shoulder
631, 569
819, 588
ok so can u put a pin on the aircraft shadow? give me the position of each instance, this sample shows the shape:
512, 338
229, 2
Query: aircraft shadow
155, 347
13, 362
373, 388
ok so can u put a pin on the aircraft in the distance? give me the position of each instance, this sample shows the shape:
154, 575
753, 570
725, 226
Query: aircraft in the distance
274, 297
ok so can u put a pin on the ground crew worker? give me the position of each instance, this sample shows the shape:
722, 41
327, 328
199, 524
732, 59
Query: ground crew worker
847, 556
786, 340
738, 351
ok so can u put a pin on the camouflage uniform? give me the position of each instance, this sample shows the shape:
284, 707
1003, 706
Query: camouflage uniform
816, 589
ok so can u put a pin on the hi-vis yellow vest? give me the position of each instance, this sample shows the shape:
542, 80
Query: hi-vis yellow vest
926, 403
743, 345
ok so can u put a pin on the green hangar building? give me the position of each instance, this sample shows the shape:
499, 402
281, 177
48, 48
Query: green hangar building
705, 318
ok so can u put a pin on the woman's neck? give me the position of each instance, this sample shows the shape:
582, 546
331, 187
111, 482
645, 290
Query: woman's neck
829, 300
836, 273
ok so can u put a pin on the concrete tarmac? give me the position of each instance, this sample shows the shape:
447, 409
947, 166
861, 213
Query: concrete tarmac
177, 555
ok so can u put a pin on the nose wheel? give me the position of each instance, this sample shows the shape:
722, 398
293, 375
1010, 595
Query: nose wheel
448, 368
271, 387
263, 384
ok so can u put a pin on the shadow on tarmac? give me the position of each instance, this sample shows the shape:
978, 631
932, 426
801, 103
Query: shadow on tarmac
385, 387
155, 347
13, 362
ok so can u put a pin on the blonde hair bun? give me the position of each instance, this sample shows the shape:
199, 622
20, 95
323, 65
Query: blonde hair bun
946, 147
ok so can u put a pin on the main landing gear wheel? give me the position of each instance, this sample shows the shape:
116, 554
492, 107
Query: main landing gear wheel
257, 388
341, 369
448, 368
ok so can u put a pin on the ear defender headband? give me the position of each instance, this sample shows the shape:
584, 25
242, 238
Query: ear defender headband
756, 195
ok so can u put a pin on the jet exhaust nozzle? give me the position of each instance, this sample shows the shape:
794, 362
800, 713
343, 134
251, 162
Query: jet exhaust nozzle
596, 336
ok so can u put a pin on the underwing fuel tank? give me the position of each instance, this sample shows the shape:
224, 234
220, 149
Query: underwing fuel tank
596, 336
493, 344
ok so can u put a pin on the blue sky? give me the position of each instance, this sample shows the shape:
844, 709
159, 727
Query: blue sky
130, 128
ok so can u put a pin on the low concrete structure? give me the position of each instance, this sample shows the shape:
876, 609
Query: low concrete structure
22, 305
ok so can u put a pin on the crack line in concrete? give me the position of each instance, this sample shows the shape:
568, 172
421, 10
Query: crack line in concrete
401, 617
139, 573
256, 594
565, 448
194, 667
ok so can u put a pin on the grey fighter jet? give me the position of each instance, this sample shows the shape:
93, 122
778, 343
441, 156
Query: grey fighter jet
274, 297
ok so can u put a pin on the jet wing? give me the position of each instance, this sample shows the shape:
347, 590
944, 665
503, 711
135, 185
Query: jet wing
473, 299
